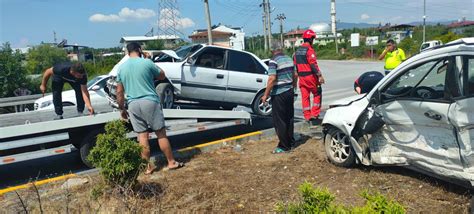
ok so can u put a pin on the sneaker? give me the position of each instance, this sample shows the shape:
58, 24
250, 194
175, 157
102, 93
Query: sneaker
80, 113
58, 117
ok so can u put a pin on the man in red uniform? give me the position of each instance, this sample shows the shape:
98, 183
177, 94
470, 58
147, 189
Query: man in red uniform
310, 77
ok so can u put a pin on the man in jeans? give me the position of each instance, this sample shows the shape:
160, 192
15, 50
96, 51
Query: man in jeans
281, 82
75, 75
136, 79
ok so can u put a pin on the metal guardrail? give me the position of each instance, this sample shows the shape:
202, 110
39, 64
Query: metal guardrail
20, 100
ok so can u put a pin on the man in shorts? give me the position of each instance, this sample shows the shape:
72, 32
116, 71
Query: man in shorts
136, 79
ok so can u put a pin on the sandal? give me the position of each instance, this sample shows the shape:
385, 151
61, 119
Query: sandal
150, 171
279, 150
177, 166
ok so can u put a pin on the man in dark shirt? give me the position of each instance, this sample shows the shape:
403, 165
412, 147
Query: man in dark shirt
76, 76
367, 81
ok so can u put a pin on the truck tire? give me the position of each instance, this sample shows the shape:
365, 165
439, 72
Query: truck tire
166, 93
87, 144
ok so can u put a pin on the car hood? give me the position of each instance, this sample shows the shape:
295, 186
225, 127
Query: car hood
66, 96
114, 70
346, 101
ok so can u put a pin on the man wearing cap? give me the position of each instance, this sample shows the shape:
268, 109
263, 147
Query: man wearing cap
280, 86
310, 78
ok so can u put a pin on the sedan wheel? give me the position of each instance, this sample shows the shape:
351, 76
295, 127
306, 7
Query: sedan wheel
260, 108
338, 148
166, 93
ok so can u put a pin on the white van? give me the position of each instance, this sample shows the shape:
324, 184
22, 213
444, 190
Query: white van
430, 44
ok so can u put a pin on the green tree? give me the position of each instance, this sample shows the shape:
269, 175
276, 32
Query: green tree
12, 73
450, 36
42, 57
155, 45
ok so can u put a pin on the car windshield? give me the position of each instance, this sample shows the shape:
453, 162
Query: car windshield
92, 81
182, 52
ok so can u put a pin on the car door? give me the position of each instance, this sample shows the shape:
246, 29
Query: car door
205, 78
462, 113
246, 77
414, 106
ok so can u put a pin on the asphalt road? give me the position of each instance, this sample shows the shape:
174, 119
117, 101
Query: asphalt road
339, 76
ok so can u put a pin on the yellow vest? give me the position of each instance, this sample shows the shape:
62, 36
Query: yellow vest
394, 58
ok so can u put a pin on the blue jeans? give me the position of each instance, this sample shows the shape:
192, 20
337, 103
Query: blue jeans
387, 71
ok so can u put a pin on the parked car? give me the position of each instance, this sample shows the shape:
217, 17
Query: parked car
97, 92
430, 45
420, 116
210, 75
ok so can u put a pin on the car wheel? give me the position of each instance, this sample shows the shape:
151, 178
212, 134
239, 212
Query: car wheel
338, 148
166, 93
258, 107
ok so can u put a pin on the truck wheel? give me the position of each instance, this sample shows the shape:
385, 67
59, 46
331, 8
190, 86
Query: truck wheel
87, 144
259, 108
338, 148
166, 93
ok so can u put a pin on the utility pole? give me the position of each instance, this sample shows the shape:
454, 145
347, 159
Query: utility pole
281, 17
424, 20
264, 20
333, 22
269, 22
208, 18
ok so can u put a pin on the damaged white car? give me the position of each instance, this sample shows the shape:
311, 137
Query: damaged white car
211, 75
420, 116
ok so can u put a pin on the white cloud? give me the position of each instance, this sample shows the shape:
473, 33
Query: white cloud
105, 18
364, 16
180, 23
125, 14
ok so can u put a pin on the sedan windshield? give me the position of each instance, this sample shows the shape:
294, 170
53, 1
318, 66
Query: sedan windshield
182, 52
93, 81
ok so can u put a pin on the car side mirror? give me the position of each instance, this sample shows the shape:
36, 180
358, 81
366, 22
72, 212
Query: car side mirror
190, 61
376, 98
95, 88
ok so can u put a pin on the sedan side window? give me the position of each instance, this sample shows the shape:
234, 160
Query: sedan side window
211, 58
470, 76
426, 81
239, 61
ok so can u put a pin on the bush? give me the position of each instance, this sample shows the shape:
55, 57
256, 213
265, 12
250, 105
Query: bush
317, 200
377, 203
117, 156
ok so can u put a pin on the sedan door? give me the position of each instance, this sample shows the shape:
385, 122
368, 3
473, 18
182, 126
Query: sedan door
205, 78
246, 77
462, 113
417, 132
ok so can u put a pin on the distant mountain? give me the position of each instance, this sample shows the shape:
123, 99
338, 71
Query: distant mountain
347, 25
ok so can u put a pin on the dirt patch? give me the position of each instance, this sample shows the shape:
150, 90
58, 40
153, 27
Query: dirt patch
251, 179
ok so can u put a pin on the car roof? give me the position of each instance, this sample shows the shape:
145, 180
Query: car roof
466, 44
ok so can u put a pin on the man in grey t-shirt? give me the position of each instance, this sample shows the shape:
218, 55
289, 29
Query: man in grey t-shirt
136, 79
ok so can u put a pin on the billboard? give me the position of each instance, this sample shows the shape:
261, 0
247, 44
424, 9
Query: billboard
355, 39
372, 40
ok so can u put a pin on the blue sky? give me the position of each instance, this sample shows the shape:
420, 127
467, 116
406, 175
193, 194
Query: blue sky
101, 23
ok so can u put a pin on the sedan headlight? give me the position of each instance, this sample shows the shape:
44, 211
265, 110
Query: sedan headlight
46, 103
